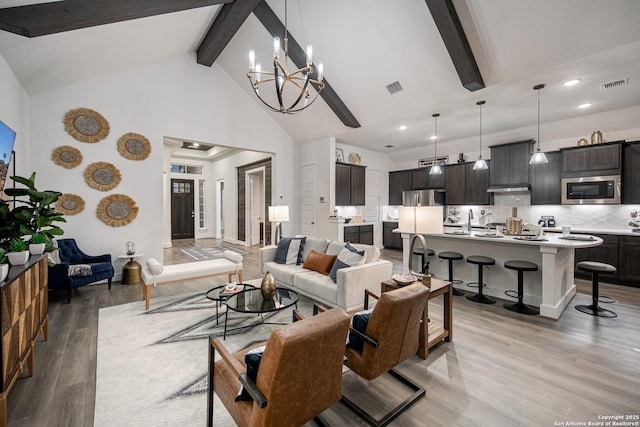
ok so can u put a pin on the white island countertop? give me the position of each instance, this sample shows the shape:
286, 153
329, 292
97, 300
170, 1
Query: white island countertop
551, 287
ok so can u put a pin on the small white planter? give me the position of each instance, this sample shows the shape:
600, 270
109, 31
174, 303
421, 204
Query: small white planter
4, 270
36, 248
18, 258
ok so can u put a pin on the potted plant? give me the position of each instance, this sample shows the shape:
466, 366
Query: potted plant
37, 243
4, 267
19, 252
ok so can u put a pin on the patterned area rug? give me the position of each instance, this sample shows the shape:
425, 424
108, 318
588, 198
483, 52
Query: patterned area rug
152, 365
201, 254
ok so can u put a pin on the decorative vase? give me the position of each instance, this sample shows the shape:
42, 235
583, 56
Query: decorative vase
268, 286
4, 270
36, 248
18, 258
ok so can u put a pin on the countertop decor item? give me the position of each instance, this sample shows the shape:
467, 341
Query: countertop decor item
86, 125
117, 210
102, 176
134, 146
70, 204
268, 286
583, 142
596, 137
67, 156
514, 224
403, 279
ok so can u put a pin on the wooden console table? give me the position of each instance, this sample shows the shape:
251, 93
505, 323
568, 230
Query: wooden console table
432, 332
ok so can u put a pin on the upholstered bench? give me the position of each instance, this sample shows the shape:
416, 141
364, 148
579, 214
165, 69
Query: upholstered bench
154, 273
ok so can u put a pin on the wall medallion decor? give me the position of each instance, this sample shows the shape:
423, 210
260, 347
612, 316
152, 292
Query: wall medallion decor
67, 156
69, 204
134, 146
102, 176
86, 125
117, 210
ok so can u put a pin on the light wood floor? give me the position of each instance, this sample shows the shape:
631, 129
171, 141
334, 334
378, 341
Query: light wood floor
502, 369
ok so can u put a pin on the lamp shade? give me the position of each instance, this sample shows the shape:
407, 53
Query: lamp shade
279, 213
420, 219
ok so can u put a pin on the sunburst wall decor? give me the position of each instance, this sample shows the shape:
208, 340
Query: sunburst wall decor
102, 176
134, 146
67, 156
86, 125
69, 204
117, 210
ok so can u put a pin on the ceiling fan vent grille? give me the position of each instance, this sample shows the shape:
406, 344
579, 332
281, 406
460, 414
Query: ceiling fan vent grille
614, 84
394, 87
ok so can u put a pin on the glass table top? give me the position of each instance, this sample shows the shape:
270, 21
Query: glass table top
251, 301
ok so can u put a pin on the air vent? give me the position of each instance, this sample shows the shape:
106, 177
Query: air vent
614, 84
389, 146
394, 87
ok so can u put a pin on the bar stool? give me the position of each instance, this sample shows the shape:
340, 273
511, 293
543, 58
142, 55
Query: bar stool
595, 268
521, 267
480, 261
418, 250
452, 256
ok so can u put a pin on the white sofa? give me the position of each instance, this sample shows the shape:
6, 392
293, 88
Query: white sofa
348, 290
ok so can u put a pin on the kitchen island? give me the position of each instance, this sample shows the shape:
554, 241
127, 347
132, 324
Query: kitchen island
551, 287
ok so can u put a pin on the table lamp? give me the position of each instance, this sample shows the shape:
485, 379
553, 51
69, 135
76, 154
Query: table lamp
278, 215
419, 220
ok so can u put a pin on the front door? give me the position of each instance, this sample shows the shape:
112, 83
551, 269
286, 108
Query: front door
182, 209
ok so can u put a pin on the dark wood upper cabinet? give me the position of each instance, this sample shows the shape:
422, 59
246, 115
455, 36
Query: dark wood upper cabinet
545, 180
476, 185
455, 183
510, 164
630, 175
419, 179
595, 160
399, 181
350, 185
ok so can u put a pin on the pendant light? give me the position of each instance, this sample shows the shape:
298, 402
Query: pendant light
480, 164
539, 158
435, 167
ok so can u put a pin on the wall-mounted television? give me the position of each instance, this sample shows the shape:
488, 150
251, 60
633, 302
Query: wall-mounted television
7, 138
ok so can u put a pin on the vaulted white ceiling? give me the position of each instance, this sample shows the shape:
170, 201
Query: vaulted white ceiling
368, 44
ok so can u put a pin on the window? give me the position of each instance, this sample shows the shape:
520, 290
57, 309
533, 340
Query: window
195, 170
201, 202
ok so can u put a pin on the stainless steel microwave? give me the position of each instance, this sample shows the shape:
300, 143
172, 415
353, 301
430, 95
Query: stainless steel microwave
591, 190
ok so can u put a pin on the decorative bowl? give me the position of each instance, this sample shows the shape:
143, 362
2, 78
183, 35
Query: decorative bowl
404, 279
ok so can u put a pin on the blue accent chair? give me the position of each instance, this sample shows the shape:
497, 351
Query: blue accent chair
70, 254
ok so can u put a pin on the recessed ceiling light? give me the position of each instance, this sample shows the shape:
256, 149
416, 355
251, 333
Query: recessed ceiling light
571, 82
585, 105
195, 145
402, 127
433, 137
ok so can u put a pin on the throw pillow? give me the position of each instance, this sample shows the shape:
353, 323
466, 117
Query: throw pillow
359, 322
252, 360
321, 263
348, 257
290, 250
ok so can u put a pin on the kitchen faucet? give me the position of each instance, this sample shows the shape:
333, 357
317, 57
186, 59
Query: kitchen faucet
470, 215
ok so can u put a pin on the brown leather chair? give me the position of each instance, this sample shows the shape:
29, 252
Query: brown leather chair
300, 374
390, 337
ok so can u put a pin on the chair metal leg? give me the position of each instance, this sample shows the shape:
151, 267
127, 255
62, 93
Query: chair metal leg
594, 309
419, 392
212, 359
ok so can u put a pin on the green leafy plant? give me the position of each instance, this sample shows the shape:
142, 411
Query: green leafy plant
38, 238
35, 212
18, 245
3, 257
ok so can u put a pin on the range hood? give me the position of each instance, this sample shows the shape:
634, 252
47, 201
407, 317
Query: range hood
519, 189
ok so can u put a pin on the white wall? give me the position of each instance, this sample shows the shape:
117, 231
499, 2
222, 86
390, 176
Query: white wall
14, 112
321, 154
176, 98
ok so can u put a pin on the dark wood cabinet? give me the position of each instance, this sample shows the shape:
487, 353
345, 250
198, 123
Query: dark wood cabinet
476, 185
628, 256
545, 180
510, 164
630, 173
454, 184
607, 253
350, 185
391, 240
359, 234
399, 181
600, 159
419, 179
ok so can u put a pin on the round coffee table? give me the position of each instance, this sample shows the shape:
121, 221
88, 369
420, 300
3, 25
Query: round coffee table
219, 295
252, 301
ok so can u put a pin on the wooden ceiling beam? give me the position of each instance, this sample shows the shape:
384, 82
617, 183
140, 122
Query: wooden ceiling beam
276, 28
50, 18
226, 24
452, 33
